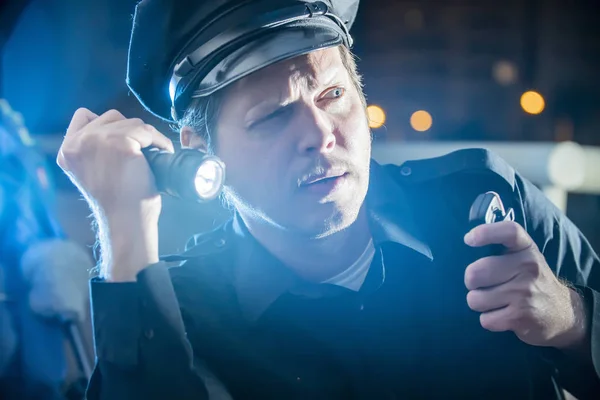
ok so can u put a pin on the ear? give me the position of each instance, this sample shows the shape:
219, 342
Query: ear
190, 139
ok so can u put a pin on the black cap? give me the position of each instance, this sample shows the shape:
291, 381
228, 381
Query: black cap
183, 49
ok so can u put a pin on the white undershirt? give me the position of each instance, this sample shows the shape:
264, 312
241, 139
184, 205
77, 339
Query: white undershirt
353, 277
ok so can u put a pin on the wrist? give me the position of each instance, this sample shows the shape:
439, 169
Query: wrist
129, 243
576, 338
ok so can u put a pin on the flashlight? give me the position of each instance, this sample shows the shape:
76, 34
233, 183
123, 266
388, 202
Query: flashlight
186, 174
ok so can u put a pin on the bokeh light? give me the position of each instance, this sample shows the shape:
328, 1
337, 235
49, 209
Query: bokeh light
376, 116
505, 72
532, 102
421, 121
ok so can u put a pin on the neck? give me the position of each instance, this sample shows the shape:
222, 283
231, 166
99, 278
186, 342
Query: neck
319, 259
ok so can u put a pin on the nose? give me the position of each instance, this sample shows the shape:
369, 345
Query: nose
316, 132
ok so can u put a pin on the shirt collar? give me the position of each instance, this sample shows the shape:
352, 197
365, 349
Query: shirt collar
259, 278
390, 215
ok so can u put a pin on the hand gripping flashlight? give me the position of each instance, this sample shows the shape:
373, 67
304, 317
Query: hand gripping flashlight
187, 174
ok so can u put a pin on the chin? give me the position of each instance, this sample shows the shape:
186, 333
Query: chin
329, 220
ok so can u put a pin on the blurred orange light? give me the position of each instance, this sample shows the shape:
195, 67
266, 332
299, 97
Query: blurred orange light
376, 116
421, 121
532, 102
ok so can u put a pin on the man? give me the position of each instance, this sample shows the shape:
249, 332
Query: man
337, 278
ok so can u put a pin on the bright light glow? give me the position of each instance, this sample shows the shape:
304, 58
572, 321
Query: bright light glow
376, 116
566, 165
532, 102
421, 121
209, 178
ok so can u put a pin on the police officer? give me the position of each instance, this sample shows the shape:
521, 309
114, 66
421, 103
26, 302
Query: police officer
336, 278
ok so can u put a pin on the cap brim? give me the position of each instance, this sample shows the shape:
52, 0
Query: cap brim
282, 45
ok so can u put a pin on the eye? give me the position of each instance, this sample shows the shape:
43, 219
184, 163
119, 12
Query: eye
335, 93
280, 116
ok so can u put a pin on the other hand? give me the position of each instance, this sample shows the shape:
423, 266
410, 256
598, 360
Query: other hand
517, 291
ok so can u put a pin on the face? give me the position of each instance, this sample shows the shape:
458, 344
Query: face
296, 143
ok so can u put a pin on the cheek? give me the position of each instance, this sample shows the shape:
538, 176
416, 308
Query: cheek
354, 130
253, 170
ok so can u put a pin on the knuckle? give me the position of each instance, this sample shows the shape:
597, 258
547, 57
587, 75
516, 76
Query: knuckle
147, 128
117, 141
81, 111
520, 319
519, 313
124, 145
512, 232
514, 228
530, 264
114, 114
137, 121
528, 292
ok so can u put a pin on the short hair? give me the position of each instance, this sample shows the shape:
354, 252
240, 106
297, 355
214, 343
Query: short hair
203, 113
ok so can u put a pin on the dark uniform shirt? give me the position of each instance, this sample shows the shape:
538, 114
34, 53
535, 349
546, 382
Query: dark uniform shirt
232, 313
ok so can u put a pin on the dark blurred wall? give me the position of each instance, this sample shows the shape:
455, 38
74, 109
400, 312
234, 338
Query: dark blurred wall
66, 54
446, 56
420, 54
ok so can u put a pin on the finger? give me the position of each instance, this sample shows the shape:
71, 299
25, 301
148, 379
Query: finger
81, 118
122, 125
499, 320
148, 136
484, 300
492, 271
108, 117
507, 233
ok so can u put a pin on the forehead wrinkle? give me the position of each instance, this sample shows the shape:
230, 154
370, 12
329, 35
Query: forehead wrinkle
302, 75
293, 76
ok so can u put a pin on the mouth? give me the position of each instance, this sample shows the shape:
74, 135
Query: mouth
324, 184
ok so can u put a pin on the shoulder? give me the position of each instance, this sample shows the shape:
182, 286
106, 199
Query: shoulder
465, 164
454, 181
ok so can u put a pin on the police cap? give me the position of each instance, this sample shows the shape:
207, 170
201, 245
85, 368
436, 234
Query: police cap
185, 49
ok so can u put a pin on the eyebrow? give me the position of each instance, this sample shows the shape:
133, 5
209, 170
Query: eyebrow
327, 77
312, 82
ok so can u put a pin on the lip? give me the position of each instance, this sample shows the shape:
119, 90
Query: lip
327, 175
324, 185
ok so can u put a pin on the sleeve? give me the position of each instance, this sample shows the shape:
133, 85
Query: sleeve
572, 259
141, 346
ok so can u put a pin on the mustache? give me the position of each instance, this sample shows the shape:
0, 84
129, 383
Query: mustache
322, 167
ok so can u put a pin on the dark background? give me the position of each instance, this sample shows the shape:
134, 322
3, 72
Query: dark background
436, 55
